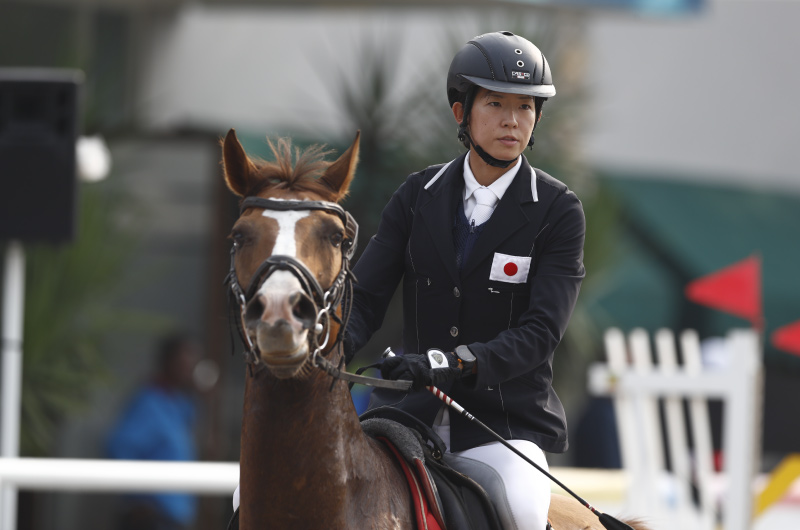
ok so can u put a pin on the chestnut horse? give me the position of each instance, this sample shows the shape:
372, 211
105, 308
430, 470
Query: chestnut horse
305, 462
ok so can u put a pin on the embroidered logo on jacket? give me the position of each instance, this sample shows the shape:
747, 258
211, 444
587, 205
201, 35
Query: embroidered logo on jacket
510, 269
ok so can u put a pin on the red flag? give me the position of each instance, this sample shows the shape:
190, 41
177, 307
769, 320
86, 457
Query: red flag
735, 289
787, 338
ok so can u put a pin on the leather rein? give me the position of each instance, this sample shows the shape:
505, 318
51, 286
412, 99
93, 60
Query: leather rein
325, 300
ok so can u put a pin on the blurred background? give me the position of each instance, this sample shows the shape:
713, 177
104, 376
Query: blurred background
675, 122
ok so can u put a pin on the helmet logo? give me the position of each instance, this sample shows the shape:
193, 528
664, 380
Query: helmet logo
521, 76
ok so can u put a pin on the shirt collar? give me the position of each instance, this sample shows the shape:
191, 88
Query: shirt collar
498, 187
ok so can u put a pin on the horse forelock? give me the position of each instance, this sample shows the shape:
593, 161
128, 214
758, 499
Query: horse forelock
293, 170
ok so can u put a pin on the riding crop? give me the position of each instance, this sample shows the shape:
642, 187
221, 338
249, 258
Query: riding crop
611, 523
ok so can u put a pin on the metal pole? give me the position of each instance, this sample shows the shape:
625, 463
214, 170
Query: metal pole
13, 311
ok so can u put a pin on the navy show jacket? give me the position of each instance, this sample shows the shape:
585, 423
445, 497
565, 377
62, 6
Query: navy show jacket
512, 328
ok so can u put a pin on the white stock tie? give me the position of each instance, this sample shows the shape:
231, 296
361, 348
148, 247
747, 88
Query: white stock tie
486, 200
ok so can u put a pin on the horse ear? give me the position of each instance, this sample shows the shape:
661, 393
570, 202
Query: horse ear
340, 174
237, 166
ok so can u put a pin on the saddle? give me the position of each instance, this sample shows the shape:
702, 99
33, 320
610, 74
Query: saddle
444, 498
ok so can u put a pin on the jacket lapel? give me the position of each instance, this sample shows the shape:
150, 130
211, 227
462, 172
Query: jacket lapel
437, 211
508, 217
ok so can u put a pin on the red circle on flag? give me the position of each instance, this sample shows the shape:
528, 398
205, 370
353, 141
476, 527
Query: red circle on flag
510, 269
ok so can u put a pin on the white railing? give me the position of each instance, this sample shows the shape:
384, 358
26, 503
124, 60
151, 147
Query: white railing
637, 384
214, 478
600, 487
66, 474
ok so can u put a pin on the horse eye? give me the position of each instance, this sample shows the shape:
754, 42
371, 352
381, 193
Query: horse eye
237, 238
336, 239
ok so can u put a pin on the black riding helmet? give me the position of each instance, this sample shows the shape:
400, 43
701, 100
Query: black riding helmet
503, 62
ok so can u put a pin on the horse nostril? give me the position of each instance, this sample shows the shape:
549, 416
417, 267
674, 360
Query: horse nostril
303, 309
254, 309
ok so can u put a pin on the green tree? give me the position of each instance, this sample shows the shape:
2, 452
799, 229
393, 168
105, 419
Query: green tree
70, 314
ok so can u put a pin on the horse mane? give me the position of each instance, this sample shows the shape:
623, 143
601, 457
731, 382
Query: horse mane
294, 169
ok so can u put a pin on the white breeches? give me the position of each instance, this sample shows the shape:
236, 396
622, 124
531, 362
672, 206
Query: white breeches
519, 491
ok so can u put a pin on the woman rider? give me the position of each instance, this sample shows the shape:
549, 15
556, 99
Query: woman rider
490, 253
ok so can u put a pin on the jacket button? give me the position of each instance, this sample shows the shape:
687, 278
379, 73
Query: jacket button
454, 331
456, 292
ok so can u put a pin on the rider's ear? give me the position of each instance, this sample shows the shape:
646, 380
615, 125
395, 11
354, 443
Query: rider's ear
339, 174
237, 166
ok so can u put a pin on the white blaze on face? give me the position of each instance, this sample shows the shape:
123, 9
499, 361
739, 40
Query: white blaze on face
285, 244
281, 284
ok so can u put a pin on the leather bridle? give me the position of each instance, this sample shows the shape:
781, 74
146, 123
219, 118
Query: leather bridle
325, 300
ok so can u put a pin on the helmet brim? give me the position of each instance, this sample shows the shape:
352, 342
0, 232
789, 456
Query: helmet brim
540, 91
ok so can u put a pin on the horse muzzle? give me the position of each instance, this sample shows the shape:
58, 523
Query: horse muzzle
277, 320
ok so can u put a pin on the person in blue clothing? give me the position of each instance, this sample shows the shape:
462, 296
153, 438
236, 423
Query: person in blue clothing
157, 424
490, 254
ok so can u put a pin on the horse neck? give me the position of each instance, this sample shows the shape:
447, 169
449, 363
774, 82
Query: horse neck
301, 442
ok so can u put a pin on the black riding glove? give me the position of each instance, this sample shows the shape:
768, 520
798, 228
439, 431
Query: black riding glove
417, 368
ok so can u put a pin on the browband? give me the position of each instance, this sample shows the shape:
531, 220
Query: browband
276, 204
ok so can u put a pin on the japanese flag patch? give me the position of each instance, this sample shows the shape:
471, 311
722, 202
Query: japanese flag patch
510, 269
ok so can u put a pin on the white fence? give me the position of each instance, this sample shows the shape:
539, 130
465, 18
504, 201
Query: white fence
637, 384
601, 487
64, 474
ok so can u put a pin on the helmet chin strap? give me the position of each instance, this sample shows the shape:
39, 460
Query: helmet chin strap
486, 157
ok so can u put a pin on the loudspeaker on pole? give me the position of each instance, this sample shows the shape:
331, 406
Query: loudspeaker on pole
39, 122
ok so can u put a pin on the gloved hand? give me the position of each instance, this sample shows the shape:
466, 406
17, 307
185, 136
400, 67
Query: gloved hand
417, 368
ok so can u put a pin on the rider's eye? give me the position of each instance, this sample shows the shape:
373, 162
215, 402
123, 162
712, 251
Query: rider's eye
336, 239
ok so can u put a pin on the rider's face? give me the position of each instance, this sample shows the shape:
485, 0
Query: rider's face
499, 122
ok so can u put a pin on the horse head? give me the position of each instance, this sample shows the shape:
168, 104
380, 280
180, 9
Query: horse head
291, 249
